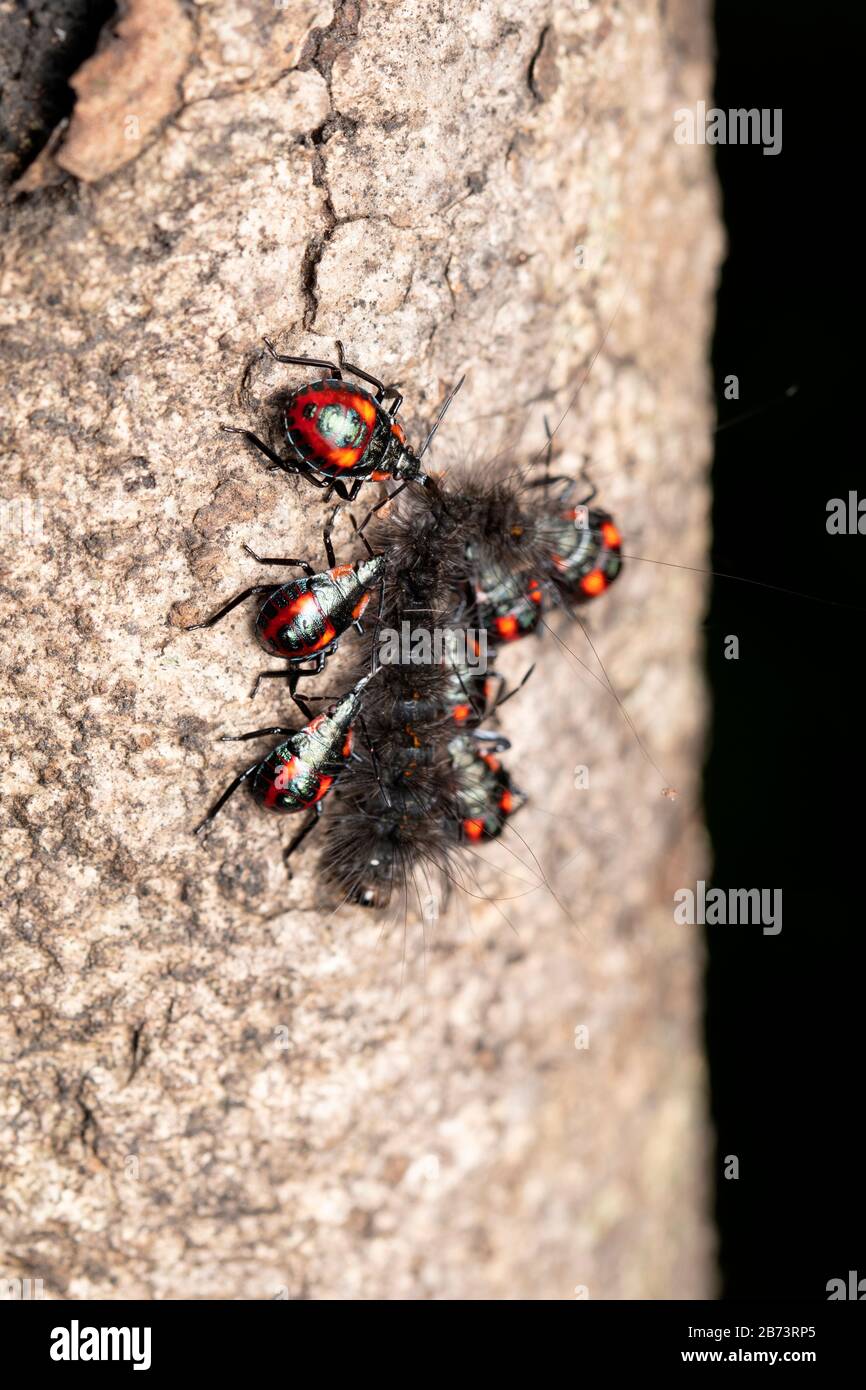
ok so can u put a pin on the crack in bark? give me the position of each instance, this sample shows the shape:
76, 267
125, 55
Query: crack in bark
319, 53
533, 63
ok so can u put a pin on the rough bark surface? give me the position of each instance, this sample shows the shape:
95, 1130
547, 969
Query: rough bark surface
215, 1085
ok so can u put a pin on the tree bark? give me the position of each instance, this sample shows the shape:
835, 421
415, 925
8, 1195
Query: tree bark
216, 1084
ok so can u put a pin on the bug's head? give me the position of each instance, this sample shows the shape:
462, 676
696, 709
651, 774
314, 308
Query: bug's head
408, 466
370, 572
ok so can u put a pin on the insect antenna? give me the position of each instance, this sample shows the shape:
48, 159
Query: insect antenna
439, 418
741, 579
786, 395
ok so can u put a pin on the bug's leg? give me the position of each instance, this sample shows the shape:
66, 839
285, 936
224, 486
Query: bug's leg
496, 743
357, 371
503, 699
279, 560
255, 733
379, 505
285, 674
397, 401
316, 669
302, 706
550, 478
301, 836
362, 537
491, 706
353, 490
326, 538
295, 466
302, 361
593, 489
229, 791
340, 488
374, 760
233, 603
290, 673
440, 417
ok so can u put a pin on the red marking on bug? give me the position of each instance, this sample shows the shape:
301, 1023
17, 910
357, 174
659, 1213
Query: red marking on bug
324, 783
285, 775
534, 591
340, 571
593, 583
360, 606
305, 606
473, 829
349, 743
377, 476
397, 429
611, 536
303, 416
507, 627
506, 803
461, 713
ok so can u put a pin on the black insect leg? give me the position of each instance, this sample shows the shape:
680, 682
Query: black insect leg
326, 538
280, 560
303, 361
295, 466
593, 492
550, 478
301, 836
255, 733
374, 760
291, 673
440, 417
366, 544
229, 791
379, 505
503, 699
358, 371
302, 706
496, 743
233, 603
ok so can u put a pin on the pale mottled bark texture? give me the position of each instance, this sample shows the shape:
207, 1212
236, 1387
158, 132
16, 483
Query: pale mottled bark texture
212, 1087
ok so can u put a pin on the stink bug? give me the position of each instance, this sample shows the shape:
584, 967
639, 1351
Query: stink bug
300, 771
486, 796
303, 621
585, 553
583, 545
509, 605
340, 431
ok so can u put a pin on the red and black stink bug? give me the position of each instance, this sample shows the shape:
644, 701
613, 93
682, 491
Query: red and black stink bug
581, 544
339, 432
486, 796
303, 621
509, 605
585, 553
300, 771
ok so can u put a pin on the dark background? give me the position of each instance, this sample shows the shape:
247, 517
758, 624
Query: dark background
785, 775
